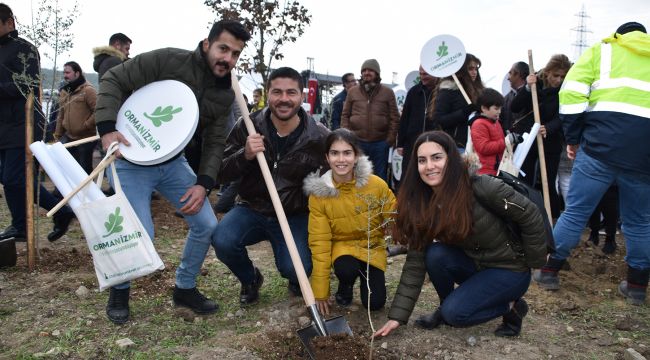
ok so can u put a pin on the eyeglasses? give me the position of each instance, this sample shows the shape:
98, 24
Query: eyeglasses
353, 81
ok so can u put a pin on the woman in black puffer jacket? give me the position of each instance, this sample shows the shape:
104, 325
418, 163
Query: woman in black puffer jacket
551, 128
453, 223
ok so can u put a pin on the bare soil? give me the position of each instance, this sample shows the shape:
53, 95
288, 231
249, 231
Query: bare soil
41, 315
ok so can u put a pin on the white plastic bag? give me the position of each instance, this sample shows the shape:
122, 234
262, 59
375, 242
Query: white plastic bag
121, 248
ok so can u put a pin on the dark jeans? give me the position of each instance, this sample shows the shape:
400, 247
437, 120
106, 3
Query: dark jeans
242, 226
227, 198
377, 152
12, 177
481, 295
84, 154
608, 206
348, 268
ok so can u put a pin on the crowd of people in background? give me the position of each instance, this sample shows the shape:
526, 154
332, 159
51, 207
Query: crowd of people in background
446, 211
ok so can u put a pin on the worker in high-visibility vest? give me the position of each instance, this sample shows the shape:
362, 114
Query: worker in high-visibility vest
605, 112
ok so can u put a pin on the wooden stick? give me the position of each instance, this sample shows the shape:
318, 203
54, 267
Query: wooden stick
29, 181
81, 141
461, 88
305, 287
101, 166
540, 142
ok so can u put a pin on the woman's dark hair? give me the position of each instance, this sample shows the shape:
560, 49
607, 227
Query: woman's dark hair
345, 135
74, 66
5, 13
473, 88
444, 214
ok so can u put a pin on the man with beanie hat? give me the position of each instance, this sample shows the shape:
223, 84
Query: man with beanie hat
370, 111
606, 119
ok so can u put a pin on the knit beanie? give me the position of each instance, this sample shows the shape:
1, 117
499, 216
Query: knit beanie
371, 64
629, 27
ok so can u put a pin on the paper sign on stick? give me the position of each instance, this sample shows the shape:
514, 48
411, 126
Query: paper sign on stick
412, 79
158, 120
442, 55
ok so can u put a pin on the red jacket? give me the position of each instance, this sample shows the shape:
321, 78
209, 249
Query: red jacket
489, 143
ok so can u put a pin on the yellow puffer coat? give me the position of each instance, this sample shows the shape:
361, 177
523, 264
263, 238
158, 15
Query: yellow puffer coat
341, 219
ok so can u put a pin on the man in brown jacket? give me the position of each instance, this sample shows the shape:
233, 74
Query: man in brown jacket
76, 118
370, 111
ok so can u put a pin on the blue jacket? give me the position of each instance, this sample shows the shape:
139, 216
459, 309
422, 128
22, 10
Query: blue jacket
337, 108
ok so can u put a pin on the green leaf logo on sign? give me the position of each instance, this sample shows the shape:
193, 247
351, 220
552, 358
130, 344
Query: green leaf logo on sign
161, 115
114, 223
442, 50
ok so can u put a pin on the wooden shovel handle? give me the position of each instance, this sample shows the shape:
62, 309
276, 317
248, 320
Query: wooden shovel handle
81, 141
540, 142
305, 287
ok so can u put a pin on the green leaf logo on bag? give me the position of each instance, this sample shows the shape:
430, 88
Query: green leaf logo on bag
442, 50
114, 223
161, 115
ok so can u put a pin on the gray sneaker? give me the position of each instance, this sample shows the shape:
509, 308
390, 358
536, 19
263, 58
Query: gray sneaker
634, 295
547, 280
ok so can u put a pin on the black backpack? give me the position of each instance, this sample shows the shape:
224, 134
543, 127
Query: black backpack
536, 198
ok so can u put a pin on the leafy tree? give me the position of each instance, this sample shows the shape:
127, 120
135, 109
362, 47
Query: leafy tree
270, 25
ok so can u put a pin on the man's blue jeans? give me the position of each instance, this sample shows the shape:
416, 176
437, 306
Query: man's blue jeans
172, 180
242, 226
377, 152
590, 179
482, 295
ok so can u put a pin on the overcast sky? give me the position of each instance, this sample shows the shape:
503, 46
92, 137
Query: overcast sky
345, 33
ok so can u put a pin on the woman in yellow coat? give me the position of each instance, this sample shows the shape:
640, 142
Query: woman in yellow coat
348, 210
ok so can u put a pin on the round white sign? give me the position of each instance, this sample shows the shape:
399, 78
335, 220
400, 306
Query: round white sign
505, 85
442, 55
412, 79
396, 164
158, 120
400, 97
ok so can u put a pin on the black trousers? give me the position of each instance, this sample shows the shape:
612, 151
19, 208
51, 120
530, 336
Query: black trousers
347, 269
608, 206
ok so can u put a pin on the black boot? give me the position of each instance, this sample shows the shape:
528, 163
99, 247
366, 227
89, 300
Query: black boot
251, 292
117, 308
610, 244
634, 289
194, 300
12, 233
511, 325
431, 321
61, 224
344, 295
294, 289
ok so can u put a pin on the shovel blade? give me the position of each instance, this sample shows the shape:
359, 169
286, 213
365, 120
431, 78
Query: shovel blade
335, 325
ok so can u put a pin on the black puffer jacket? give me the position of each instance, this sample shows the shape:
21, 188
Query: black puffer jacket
490, 245
303, 157
414, 121
549, 114
450, 112
19, 70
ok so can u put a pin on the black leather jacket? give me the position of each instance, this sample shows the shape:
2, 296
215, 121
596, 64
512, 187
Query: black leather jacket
302, 157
